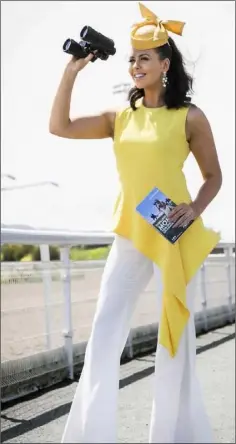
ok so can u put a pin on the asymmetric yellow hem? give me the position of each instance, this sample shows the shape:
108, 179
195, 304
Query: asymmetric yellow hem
150, 148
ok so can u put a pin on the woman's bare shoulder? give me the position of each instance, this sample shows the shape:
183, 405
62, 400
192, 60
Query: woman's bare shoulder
196, 120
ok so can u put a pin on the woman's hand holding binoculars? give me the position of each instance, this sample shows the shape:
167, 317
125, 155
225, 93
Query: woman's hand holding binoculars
75, 65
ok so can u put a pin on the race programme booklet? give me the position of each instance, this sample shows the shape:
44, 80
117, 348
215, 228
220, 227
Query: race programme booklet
155, 209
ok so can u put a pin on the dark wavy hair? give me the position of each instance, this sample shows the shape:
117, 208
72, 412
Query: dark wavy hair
179, 86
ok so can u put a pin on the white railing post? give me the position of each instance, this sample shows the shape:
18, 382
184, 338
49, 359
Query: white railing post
229, 254
47, 280
68, 329
204, 296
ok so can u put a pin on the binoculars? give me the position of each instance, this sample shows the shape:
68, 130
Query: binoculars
91, 41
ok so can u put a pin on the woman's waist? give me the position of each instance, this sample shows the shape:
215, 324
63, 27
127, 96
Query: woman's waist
137, 190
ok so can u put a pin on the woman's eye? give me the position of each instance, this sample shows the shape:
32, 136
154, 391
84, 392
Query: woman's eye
143, 59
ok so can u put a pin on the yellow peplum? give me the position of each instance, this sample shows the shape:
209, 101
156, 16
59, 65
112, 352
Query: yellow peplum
150, 148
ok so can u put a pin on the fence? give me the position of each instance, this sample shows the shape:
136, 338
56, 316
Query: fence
35, 299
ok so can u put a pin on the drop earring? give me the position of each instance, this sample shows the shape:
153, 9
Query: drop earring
164, 79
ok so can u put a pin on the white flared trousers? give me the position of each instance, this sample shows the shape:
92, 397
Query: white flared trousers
178, 414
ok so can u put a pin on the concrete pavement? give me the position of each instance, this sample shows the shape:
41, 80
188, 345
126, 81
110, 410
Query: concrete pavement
41, 418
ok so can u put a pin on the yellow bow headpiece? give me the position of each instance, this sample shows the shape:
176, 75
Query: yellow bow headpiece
152, 32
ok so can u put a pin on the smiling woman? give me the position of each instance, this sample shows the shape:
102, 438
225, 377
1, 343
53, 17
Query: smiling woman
160, 69
152, 137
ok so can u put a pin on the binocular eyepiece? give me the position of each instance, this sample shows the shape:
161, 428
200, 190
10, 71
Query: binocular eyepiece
91, 41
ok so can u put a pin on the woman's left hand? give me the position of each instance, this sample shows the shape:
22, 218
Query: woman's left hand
182, 214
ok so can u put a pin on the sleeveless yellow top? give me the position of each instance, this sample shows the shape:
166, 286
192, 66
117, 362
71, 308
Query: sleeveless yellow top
150, 148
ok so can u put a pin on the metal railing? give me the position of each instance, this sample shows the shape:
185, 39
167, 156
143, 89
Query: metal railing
223, 275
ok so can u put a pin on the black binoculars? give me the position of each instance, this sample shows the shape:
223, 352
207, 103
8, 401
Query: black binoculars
91, 41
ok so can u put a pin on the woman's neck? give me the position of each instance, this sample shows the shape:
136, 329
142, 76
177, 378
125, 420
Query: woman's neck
153, 98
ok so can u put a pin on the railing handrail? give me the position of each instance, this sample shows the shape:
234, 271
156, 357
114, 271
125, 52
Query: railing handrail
52, 237
66, 239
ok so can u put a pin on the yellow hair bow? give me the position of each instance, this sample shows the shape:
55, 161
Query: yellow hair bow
152, 32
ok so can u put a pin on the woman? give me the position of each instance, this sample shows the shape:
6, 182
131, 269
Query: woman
152, 139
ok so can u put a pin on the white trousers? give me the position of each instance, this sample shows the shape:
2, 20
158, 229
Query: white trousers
178, 414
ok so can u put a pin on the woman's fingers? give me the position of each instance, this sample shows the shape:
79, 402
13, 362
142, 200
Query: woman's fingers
181, 215
177, 212
184, 220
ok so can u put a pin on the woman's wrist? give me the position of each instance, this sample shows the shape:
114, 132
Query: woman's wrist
196, 208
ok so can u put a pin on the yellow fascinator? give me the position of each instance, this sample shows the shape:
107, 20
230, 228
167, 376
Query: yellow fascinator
153, 32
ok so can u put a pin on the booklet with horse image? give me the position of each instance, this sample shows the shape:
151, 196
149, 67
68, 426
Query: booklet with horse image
155, 208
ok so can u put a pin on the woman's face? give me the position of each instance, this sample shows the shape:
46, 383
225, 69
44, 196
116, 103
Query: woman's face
146, 68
